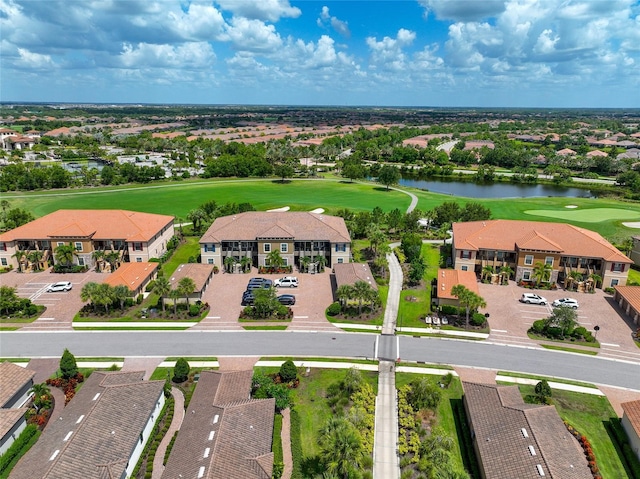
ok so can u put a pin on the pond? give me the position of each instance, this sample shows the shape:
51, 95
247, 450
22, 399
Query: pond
494, 190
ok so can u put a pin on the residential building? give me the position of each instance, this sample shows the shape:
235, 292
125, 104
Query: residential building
294, 234
635, 250
224, 434
135, 276
628, 298
128, 235
201, 275
513, 439
101, 433
15, 385
631, 424
522, 244
446, 280
350, 273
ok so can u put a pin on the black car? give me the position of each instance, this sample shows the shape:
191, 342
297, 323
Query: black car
247, 298
287, 299
266, 284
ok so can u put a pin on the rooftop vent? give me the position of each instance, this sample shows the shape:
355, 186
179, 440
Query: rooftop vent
201, 472
80, 419
524, 432
540, 470
207, 451
54, 455
211, 434
215, 418
532, 450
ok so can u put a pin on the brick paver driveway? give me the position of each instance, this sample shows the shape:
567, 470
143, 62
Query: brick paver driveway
61, 306
224, 295
510, 319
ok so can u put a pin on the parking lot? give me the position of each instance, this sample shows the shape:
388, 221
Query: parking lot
510, 319
61, 306
224, 296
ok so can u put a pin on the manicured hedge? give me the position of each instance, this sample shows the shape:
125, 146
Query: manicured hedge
296, 445
19, 448
617, 432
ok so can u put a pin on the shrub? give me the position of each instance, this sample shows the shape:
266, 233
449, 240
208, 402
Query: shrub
68, 365
609, 290
150, 285
139, 299
448, 309
478, 319
543, 391
181, 371
538, 326
288, 371
18, 448
334, 309
554, 332
194, 310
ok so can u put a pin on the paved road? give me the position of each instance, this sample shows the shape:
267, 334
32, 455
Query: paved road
303, 344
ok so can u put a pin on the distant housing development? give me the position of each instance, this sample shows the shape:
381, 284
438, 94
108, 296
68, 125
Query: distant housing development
522, 244
293, 234
133, 236
96, 437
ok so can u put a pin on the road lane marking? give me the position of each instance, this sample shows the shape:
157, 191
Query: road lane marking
499, 331
610, 344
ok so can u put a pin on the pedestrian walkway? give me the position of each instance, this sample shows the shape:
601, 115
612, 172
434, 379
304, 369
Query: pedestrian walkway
176, 422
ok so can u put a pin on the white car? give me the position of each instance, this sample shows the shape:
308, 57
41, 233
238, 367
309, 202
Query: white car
59, 286
530, 298
568, 302
286, 282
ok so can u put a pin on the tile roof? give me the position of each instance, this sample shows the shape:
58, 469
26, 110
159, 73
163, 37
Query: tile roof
510, 235
349, 273
224, 432
100, 433
9, 418
302, 226
632, 411
631, 294
96, 224
448, 278
132, 275
12, 379
198, 272
501, 420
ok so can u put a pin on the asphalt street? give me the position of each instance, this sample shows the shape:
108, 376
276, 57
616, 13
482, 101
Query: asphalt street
307, 344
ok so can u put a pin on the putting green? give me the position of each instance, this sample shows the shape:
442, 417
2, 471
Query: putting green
588, 215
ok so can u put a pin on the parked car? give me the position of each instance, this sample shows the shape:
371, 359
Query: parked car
286, 282
568, 302
59, 286
247, 298
265, 283
287, 299
530, 298
257, 280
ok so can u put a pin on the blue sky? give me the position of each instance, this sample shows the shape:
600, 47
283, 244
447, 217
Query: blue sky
485, 53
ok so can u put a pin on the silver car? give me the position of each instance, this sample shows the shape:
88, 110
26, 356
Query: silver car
59, 286
566, 302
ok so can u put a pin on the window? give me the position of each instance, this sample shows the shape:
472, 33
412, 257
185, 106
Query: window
526, 275
209, 247
285, 261
528, 259
465, 268
3, 261
138, 260
267, 247
284, 247
210, 261
549, 260
137, 246
78, 246
614, 282
341, 247
80, 261
340, 260
464, 254
60, 243
617, 267
3, 246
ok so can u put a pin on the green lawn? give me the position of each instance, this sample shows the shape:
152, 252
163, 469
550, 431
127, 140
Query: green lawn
410, 312
189, 248
589, 414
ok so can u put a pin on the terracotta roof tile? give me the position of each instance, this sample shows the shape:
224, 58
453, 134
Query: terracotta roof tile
448, 278
302, 226
631, 294
632, 411
504, 235
132, 275
199, 273
12, 379
349, 273
97, 224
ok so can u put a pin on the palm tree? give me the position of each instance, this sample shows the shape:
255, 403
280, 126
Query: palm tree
98, 257
505, 272
112, 257
19, 255
41, 396
162, 288
229, 261
274, 259
487, 271
542, 272
341, 448
174, 294
120, 294
34, 258
344, 293
64, 254
88, 292
246, 262
186, 287
574, 277
468, 299
304, 262
361, 293
321, 261
596, 278
444, 232
104, 296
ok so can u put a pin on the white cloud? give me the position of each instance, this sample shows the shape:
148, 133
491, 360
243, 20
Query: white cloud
341, 27
463, 10
195, 55
265, 10
546, 42
33, 61
200, 22
253, 35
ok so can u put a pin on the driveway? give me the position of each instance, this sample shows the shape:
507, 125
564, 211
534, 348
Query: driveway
61, 306
510, 319
224, 294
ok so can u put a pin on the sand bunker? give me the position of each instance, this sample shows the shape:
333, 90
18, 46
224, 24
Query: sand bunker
571, 206
318, 211
284, 208
632, 225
